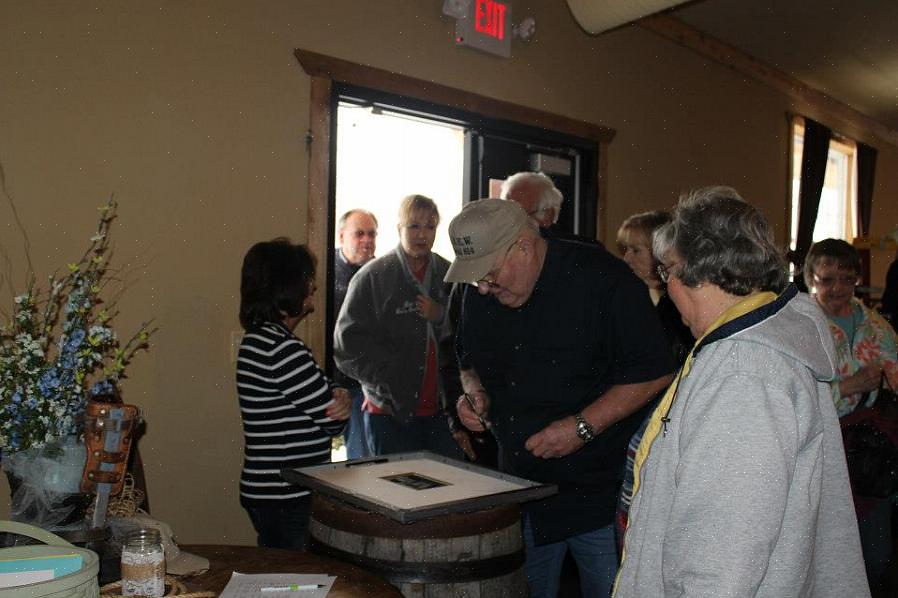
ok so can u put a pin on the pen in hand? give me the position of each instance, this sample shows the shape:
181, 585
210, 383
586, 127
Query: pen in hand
292, 588
486, 424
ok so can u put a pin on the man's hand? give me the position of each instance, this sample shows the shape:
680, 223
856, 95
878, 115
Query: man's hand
463, 440
341, 405
558, 439
429, 309
470, 417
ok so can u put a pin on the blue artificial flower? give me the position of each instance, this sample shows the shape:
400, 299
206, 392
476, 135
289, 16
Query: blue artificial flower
75, 339
16, 397
49, 383
65, 367
103, 387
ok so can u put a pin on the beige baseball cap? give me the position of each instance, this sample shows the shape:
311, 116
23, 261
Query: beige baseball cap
481, 232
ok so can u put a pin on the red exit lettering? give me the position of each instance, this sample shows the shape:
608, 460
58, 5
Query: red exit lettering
489, 18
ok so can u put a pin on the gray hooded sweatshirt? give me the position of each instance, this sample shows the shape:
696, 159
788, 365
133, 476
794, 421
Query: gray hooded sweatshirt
747, 492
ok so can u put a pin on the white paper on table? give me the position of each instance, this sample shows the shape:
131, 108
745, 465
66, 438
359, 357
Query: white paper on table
246, 585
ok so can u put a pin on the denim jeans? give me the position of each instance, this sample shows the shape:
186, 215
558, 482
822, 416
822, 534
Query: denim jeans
354, 436
386, 435
282, 527
595, 553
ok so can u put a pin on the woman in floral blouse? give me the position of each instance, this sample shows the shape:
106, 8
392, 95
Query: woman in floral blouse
866, 354
865, 343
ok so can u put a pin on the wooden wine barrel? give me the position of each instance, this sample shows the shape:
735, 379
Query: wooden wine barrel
478, 554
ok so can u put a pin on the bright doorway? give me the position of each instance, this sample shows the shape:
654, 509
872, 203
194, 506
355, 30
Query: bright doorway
382, 156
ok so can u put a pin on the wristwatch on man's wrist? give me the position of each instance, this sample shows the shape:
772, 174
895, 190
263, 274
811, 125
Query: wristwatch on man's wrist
585, 432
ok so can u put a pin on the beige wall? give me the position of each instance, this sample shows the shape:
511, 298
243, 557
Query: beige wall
194, 114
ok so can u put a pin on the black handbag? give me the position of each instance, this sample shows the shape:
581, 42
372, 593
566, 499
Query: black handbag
871, 455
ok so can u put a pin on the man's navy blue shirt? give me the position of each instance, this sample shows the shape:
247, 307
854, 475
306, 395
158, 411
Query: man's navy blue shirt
588, 325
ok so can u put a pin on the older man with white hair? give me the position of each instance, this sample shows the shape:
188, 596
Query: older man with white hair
537, 195
560, 349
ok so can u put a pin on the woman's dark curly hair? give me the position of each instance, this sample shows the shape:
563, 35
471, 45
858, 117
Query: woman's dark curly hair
275, 280
722, 240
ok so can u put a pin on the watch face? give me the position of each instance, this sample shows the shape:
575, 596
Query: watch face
583, 431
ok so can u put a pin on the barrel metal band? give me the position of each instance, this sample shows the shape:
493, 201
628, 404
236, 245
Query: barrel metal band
427, 571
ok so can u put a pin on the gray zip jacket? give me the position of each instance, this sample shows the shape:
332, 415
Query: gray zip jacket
380, 340
747, 492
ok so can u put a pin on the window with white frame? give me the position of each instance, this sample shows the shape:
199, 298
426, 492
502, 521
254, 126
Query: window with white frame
836, 215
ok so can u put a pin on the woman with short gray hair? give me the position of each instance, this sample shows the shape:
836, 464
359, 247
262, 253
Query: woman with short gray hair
865, 343
723, 241
740, 484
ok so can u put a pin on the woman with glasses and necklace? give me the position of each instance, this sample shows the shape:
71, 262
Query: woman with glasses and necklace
865, 343
866, 359
634, 241
740, 481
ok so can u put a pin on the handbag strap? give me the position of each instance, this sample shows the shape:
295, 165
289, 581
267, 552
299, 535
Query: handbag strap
31, 531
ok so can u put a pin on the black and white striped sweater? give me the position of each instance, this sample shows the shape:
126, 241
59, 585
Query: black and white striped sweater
283, 397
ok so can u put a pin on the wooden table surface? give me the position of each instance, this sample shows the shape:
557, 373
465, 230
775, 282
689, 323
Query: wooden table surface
223, 560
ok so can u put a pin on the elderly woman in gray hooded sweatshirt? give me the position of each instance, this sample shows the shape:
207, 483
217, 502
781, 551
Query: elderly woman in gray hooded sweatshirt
741, 486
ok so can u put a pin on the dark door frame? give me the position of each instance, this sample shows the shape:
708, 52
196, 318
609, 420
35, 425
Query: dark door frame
325, 71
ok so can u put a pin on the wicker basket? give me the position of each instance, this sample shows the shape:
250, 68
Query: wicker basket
80, 584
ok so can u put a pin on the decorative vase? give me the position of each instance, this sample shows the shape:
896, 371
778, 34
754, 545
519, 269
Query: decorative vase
44, 485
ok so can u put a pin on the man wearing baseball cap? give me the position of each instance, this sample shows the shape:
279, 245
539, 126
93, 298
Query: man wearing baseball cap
560, 352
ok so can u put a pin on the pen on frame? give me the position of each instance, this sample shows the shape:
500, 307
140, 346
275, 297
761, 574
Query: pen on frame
486, 424
292, 588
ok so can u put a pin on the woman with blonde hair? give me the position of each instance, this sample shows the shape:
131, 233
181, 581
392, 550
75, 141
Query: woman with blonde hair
387, 337
634, 241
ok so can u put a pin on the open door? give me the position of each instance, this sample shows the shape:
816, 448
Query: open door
491, 158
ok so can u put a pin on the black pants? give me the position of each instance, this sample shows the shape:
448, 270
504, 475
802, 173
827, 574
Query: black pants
282, 527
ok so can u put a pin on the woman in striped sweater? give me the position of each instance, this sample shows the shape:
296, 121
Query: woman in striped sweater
289, 408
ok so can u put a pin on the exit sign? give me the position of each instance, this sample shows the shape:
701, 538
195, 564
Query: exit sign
486, 26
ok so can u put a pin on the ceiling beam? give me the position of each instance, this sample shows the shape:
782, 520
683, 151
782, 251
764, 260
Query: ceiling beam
710, 47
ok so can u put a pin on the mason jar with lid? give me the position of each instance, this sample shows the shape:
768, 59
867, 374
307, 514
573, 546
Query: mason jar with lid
143, 564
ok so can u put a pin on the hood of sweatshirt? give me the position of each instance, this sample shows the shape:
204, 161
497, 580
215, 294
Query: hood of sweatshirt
792, 325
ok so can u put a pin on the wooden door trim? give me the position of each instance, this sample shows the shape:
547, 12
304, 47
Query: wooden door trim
335, 69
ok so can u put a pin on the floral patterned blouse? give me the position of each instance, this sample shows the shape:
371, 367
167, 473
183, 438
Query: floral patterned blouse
874, 341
